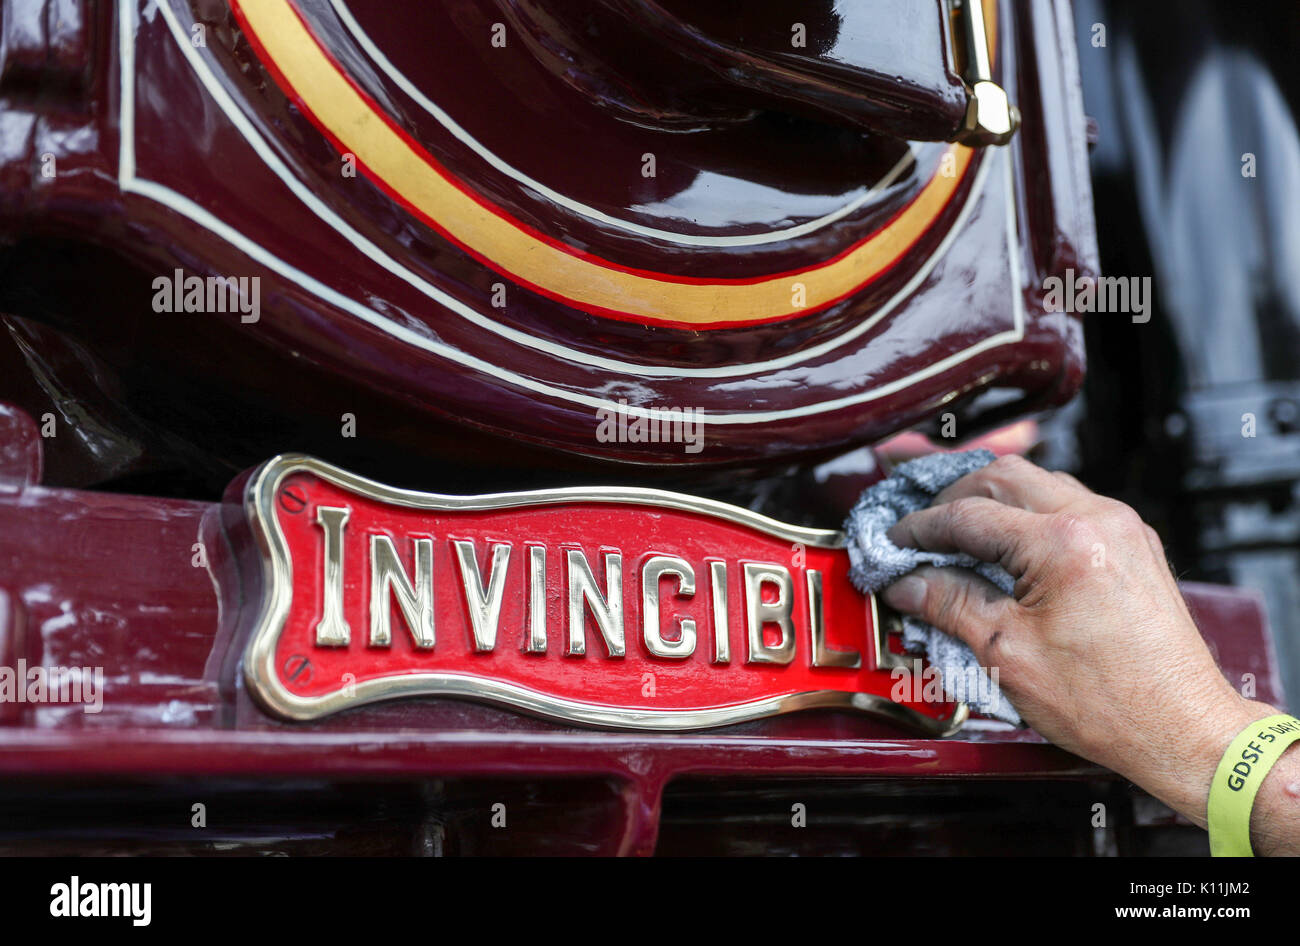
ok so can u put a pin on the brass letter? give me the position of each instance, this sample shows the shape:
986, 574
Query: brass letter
333, 630
484, 604
759, 612
822, 655
654, 569
416, 602
607, 610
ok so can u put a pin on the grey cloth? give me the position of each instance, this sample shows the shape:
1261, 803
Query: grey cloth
878, 562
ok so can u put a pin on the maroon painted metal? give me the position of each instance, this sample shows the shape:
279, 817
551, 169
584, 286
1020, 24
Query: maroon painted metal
141, 140
93, 579
20, 449
199, 161
715, 62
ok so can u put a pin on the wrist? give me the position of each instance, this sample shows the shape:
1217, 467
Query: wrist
1182, 777
1275, 811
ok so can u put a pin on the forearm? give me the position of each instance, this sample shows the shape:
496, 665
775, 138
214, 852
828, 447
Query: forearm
1185, 786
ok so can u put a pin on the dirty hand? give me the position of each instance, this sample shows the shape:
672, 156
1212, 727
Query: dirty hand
1096, 647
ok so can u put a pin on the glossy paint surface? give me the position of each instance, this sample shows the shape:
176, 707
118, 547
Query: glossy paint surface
193, 158
716, 61
174, 155
113, 581
296, 53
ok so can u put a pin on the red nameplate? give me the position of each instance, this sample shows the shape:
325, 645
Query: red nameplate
604, 606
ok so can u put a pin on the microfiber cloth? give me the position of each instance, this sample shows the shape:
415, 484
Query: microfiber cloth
878, 562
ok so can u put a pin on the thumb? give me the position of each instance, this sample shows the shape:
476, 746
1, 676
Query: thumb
956, 601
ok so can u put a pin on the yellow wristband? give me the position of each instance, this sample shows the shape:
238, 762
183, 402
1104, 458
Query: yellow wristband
1236, 782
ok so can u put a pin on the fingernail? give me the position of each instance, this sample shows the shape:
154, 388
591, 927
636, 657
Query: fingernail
907, 594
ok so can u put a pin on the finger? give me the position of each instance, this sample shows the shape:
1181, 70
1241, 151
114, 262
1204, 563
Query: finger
1071, 481
977, 526
955, 600
1014, 481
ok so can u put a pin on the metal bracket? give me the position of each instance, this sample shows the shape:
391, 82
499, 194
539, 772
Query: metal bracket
991, 119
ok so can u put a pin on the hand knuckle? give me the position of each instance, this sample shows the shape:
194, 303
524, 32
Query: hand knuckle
1123, 519
1008, 469
1010, 463
997, 479
963, 514
1076, 535
1065, 478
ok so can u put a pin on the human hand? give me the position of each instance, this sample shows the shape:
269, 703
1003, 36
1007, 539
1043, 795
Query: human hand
1096, 647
